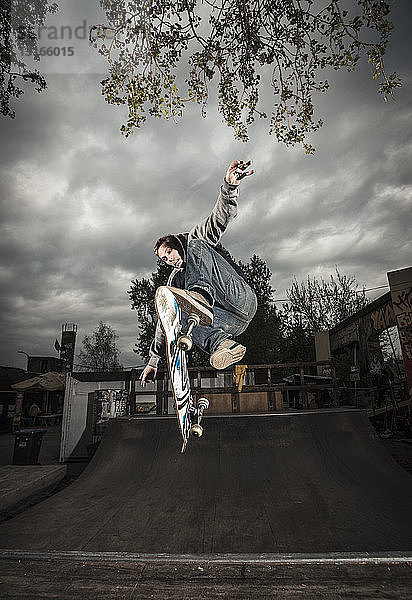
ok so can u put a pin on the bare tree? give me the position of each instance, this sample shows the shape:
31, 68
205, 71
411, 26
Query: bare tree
319, 305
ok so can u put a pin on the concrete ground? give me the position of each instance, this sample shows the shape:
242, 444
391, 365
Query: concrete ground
22, 486
120, 579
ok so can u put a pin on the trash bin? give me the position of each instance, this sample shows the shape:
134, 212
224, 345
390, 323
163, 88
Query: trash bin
27, 446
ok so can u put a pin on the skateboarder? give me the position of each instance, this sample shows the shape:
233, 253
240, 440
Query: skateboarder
206, 280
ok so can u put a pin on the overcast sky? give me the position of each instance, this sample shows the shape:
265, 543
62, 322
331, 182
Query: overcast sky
82, 205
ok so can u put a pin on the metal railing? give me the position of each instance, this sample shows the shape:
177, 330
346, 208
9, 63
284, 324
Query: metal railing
272, 384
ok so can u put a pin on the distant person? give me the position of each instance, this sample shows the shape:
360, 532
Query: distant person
34, 412
205, 280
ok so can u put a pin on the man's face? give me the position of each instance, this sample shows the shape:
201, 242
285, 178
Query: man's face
170, 256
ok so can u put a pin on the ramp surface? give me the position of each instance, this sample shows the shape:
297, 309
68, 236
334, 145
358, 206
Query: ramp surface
281, 483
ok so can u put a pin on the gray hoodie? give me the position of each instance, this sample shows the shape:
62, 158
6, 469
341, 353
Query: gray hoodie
211, 230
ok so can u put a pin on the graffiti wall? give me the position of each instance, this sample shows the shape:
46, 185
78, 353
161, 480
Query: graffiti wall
400, 283
367, 323
362, 330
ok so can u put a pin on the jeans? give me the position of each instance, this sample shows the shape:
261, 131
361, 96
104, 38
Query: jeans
234, 302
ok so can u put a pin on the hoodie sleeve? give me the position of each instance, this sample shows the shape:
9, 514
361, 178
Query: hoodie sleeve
157, 347
212, 228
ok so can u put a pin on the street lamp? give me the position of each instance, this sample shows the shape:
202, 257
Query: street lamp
28, 357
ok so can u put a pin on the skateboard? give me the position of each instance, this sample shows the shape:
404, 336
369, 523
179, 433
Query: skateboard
189, 416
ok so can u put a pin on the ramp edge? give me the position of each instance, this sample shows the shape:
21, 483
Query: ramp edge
298, 558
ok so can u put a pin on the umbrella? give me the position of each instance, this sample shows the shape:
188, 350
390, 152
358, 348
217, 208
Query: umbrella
50, 382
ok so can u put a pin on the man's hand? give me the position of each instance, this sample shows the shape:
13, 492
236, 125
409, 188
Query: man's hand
148, 375
237, 171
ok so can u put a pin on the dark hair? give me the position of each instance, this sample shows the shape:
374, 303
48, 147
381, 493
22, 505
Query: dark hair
168, 240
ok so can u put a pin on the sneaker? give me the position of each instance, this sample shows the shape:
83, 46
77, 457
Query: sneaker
194, 302
227, 353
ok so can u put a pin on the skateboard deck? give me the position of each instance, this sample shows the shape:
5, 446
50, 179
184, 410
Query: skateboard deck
170, 316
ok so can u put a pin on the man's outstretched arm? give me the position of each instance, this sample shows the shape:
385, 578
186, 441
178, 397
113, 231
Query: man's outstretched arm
212, 228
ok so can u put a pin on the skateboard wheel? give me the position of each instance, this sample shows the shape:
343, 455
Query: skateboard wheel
185, 342
203, 403
196, 430
193, 320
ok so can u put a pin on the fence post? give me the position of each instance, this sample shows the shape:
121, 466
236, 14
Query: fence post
271, 395
302, 393
132, 392
161, 404
335, 385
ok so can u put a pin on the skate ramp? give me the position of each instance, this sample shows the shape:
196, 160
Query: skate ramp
313, 482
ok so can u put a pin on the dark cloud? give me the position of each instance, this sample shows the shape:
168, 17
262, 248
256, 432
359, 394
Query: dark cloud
81, 205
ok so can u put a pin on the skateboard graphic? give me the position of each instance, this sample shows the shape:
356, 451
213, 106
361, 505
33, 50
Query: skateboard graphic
189, 416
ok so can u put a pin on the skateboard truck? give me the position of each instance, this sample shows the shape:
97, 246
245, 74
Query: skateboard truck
196, 429
185, 341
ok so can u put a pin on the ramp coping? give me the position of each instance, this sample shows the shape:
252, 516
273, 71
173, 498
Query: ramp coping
262, 559
282, 413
